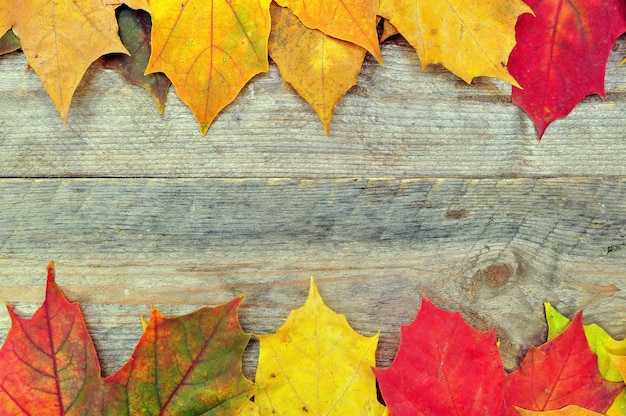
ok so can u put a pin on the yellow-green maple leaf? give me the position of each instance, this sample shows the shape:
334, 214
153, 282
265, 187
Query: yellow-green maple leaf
319, 67
469, 37
316, 364
61, 39
209, 49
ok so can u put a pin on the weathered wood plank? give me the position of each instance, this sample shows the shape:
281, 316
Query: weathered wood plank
494, 248
399, 122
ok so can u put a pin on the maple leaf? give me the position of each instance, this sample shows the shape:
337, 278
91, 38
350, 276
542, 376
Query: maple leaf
48, 363
188, 365
61, 39
9, 42
135, 27
209, 49
316, 364
561, 55
350, 20
470, 39
600, 342
561, 372
565, 411
443, 366
319, 67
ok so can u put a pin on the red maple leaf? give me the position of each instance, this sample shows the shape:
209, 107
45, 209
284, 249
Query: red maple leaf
561, 54
561, 372
444, 367
48, 364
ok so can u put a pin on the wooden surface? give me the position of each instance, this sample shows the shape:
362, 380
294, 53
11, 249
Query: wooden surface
426, 186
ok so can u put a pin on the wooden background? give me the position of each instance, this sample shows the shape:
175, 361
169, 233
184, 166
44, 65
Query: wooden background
426, 186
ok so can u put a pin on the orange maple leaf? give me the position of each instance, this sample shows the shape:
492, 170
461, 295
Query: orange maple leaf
470, 38
319, 67
61, 39
209, 49
350, 20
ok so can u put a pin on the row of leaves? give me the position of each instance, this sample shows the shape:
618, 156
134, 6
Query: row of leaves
553, 53
314, 364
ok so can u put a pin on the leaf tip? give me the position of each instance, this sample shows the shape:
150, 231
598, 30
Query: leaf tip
50, 272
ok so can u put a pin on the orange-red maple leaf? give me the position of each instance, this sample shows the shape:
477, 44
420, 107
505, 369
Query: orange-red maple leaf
561, 54
209, 49
561, 372
48, 364
61, 39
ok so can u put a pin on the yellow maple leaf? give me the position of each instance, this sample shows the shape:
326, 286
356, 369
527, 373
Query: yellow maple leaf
61, 39
209, 49
350, 20
316, 364
566, 411
319, 67
469, 37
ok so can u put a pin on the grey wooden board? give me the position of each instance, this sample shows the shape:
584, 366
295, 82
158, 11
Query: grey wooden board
495, 249
400, 121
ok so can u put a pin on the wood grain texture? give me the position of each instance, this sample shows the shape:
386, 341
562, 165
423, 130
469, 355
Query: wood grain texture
426, 186
495, 249
399, 121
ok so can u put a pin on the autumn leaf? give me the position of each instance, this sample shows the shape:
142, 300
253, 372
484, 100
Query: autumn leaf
61, 39
48, 363
209, 49
135, 27
469, 38
599, 341
565, 411
188, 365
350, 20
9, 42
443, 367
319, 67
389, 31
602, 344
561, 372
561, 55
316, 364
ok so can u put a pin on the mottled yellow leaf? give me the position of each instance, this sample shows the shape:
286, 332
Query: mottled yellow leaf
319, 67
209, 49
566, 411
316, 364
350, 20
61, 39
469, 37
